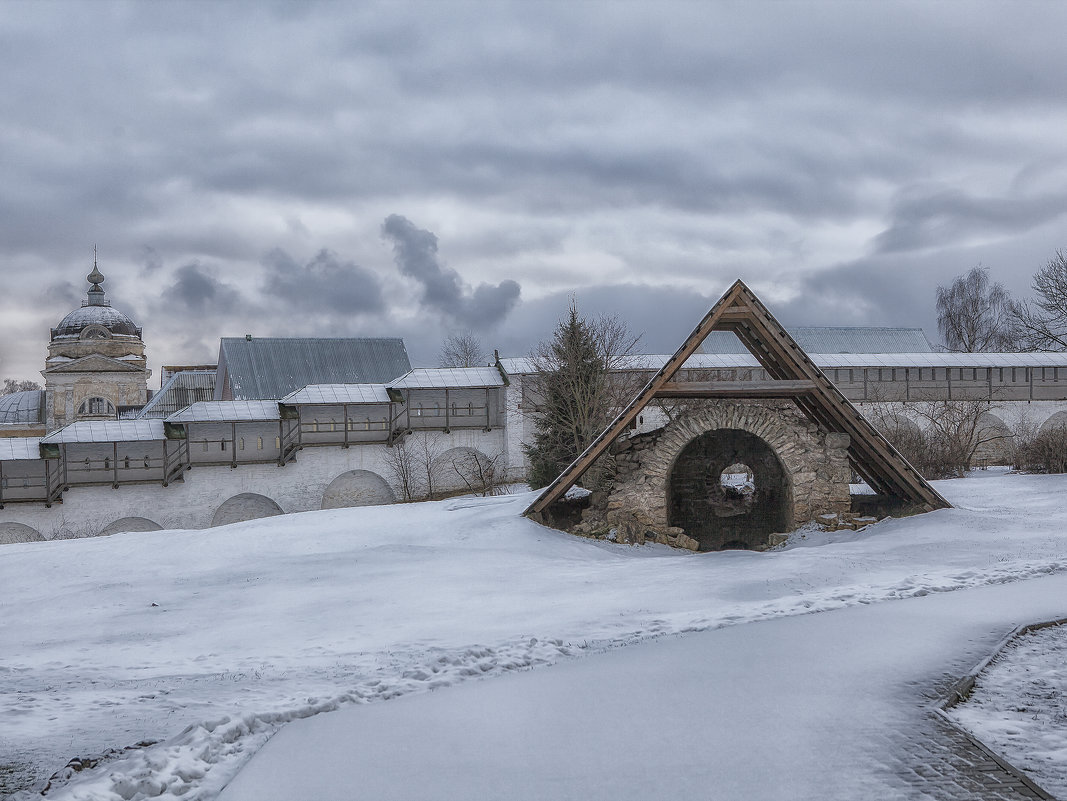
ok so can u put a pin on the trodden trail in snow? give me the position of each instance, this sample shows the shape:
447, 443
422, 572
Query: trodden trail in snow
208, 641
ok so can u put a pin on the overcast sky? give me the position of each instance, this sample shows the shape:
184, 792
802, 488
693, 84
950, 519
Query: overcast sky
410, 169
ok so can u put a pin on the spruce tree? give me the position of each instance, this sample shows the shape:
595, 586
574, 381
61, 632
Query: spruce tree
574, 403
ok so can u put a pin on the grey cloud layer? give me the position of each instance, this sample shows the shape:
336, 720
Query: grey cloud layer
813, 147
415, 252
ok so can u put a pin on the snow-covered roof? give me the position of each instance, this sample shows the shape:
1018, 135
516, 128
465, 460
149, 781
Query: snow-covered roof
227, 412
834, 339
934, 359
332, 394
711, 361
16, 448
108, 431
449, 378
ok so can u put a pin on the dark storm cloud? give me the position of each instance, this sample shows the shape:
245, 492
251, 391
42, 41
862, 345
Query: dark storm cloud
415, 254
324, 283
197, 290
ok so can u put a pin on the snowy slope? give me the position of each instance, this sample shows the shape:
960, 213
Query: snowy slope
211, 639
827, 707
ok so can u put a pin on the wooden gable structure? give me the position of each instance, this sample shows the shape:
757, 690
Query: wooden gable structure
793, 376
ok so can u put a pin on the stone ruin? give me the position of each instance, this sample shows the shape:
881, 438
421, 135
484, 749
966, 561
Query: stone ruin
682, 484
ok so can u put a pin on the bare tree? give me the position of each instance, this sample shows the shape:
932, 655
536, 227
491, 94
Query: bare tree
12, 385
1042, 322
1043, 450
462, 349
414, 462
479, 473
975, 315
427, 451
401, 464
952, 433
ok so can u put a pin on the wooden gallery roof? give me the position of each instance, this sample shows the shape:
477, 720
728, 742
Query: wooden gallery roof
794, 376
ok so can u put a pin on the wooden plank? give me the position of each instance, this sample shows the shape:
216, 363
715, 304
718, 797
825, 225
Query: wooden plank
868, 444
574, 471
735, 389
793, 376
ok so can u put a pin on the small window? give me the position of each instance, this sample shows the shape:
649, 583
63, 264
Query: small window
242, 443
278, 442
260, 443
96, 407
222, 444
205, 446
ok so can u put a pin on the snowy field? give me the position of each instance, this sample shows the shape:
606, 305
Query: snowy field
209, 641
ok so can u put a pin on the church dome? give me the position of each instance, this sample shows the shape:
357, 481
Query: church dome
95, 319
103, 316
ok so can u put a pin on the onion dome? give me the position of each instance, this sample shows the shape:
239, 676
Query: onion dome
96, 319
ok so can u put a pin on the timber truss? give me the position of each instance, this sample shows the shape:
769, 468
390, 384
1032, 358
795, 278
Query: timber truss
793, 376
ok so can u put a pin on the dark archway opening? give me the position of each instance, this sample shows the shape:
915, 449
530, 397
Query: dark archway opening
728, 490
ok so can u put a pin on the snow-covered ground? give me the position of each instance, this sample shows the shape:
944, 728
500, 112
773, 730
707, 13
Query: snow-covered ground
211, 640
1019, 706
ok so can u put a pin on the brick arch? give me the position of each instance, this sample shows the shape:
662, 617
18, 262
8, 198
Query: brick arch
131, 524
246, 506
464, 468
357, 488
814, 464
995, 445
1054, 421
11, 533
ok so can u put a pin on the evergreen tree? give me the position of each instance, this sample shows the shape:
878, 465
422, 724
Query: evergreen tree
576, 395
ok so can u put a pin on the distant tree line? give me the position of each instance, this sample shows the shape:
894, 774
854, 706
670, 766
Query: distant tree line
14, 385
975, 314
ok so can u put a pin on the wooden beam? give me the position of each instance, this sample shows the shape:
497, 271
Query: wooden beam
574, 471
794, 376
735, 389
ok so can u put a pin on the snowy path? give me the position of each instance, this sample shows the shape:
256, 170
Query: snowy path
829, 706
210, 640
1019, 706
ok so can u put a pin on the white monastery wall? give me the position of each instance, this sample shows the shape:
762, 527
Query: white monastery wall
193, 502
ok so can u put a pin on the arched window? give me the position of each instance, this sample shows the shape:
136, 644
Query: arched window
95, 332
96, 407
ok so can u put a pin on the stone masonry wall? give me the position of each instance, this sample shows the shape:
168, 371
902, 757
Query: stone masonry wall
814, 471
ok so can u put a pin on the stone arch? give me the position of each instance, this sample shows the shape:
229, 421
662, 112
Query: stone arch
130, 524
1055, 421
995, 441
246, 506
901, 422
814, 464
357, 488
464, 468
719, 516
11, 533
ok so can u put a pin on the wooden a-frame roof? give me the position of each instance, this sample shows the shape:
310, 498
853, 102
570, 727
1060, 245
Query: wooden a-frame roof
793, 376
